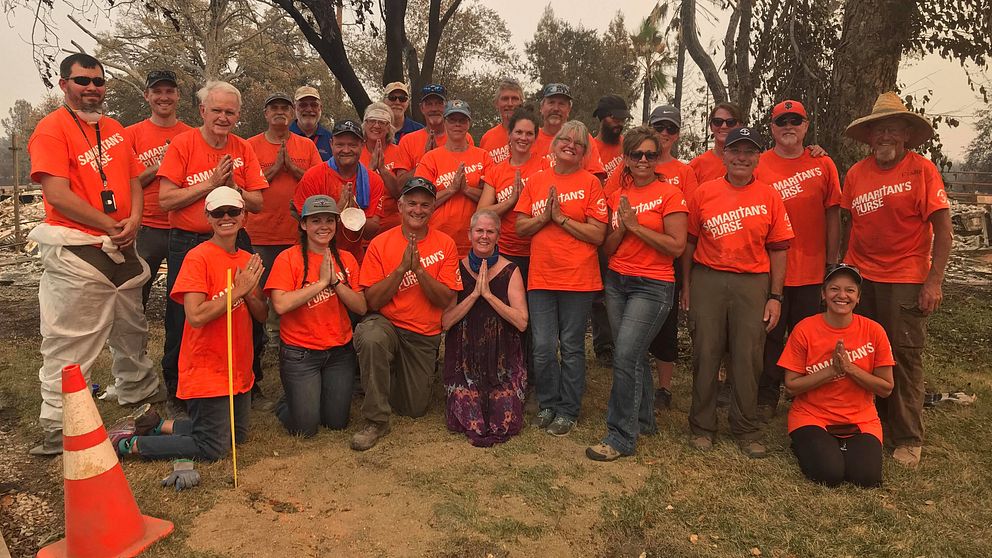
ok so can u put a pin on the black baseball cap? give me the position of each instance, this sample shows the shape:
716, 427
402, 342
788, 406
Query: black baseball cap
419, 183
348, 127
278, 97
612, 105
743, 133
666, 113
843, 269
157, 76
556, 89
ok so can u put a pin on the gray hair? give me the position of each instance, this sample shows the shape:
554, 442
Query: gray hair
485, 213
217, 87
576, 129
508, 83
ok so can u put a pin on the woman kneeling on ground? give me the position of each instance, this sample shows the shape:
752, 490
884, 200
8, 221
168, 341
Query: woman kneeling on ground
313, 286
485, 376
203, 368
836, 363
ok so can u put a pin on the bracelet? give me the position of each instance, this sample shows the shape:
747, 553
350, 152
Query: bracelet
564, 220
335, 284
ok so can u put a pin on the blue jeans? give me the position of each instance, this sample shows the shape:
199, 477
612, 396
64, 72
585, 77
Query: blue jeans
558, 324
637, 306
318, 387
206, 436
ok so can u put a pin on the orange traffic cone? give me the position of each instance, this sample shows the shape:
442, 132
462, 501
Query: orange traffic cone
101, 516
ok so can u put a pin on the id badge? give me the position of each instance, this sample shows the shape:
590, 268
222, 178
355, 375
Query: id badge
109, 201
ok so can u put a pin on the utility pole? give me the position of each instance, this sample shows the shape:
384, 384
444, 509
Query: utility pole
17, 189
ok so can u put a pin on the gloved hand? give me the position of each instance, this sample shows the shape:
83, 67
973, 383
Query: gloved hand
183, 475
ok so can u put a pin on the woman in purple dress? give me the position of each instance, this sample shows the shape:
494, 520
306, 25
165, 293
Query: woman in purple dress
485, 375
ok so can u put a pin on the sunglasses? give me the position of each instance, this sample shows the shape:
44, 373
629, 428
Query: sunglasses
719, 122
789, 120
398, 98
433, 89
638, 155
230, 212
665, 127
84, 81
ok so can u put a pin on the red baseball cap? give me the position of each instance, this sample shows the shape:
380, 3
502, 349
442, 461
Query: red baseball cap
789, 107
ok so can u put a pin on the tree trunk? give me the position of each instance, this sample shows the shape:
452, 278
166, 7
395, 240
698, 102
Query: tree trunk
646, 105
395, 34
699, 54
680, 68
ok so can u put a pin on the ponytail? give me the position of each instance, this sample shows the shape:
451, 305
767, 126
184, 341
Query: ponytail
306, 256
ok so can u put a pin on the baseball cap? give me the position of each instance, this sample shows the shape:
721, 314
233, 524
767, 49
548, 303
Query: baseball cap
277, 97
666, 113
306, 91
157, 76
378, 111
789, 107
396, 86
348, 127
319, 204
419, 183
556, 89
433, 89
457, 106
843, 269
743, 133
611, 105
223, 196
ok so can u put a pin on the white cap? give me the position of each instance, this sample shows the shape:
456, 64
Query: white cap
223, 196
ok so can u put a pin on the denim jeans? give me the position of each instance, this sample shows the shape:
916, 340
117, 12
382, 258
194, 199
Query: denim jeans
153, 247
558, 324
637, 307
206, 436
318, 385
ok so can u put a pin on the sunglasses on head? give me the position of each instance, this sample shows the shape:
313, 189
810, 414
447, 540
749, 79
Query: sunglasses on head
86, 80
719, 122
221, 212
665, 127
398, 98
433, 89
638, 155
789, 120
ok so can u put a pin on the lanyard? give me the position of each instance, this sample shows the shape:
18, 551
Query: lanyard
99, 144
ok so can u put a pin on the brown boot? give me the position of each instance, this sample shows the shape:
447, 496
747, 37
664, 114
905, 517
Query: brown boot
908, 456
368, 436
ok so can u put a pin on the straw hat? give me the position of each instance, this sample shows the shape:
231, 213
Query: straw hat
889, 105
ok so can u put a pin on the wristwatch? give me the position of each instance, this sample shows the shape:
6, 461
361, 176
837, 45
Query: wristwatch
778, 297
563, 221
336, 283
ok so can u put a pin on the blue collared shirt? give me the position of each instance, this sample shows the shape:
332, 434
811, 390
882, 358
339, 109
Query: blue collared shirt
408, 126
322, 139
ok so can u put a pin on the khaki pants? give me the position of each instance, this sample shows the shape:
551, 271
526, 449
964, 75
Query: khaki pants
725, 315
397, 368
895, 306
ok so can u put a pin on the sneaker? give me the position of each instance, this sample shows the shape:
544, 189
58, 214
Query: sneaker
51, 445
142, 421
908, 456
662, 399
544, 418
602, 452
753, 449
367, 437
561, 426
259, 401
701, 443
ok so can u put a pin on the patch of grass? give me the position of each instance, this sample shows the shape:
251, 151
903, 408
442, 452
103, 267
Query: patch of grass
508, 529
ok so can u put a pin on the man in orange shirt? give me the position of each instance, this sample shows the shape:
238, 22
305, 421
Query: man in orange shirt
556, 106
90, 291
810, 189
149, 139
613, 115
410, 274
496, 140
414, 145
900, 239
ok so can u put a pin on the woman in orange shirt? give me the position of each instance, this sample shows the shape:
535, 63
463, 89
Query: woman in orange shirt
724, 117
563, 212
313, 287
836, 364
384, 158
648, 231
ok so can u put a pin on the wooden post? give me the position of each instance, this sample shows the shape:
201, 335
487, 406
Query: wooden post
17, 190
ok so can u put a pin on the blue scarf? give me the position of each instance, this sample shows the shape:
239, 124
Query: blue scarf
361, 183
475, 262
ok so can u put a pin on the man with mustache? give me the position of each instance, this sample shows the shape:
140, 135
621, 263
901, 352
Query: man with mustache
556, 106
90, 291
396, 95
309, 111
414, 145
900, 240
496, 140
613, 115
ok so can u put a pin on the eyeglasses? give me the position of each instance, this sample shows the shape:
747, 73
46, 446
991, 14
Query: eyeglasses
230, 212
665, 127
84, 81
398, 98
789, 120
719, 122
638, 155
567, 141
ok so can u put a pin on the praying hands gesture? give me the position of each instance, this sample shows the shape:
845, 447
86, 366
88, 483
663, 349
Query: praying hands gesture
347, 197
377, 160
458, 181
482, 282
840, 360
327, 272
626, 216
411, 256
223, 174
246, 279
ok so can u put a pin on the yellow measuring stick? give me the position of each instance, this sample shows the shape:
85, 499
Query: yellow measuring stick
230, 378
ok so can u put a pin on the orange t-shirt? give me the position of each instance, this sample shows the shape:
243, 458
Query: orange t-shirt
58, 148
733, 225
542, 148
275, 225
891, 235
674, 172
708, 167
410, 308
203, 356
501, 178
323, 321
611, 156
810, 348
322, 179
412, 146
808, 185
453, 216
189, 160
496, 142
652, 203
149, 141
558, 260
393, 159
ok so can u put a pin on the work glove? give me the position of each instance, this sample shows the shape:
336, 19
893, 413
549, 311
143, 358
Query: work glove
183, 475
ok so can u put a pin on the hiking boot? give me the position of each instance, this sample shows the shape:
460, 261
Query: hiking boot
51, 445
753, 449
561, 426
602, 452
143, 420
701, 443
908, 456
766, 413
662, 399
259, 401
368, 436
544, 418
